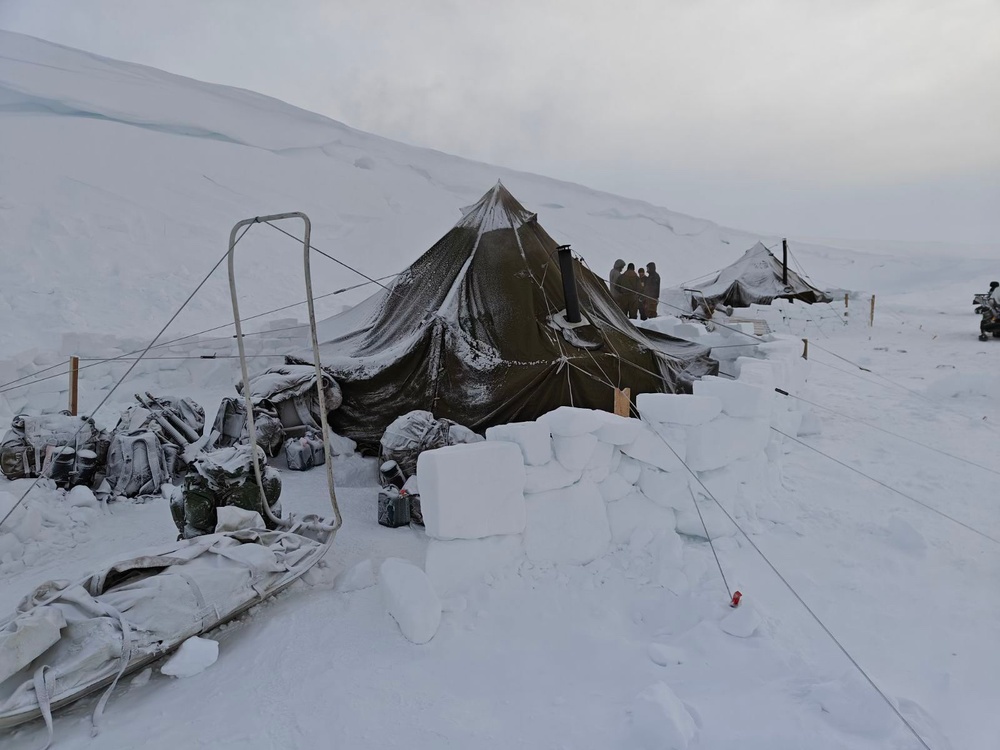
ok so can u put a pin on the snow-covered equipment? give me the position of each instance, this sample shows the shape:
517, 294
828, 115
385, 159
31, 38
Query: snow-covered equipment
411, 434
221, 479
756, 278
467, 333
137, 464
65, 641
231, 424
290, 390
302, 453
28, 447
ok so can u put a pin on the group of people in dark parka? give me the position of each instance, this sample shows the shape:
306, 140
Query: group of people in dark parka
636, 293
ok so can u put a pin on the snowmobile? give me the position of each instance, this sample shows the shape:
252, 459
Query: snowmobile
68, 639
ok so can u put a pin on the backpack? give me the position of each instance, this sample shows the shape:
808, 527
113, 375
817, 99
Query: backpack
231, 424
32, 439
136, 464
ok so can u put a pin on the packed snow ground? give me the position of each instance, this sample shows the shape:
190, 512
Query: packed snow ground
542, 656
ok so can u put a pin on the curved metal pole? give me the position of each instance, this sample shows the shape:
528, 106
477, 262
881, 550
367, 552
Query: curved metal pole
251, 431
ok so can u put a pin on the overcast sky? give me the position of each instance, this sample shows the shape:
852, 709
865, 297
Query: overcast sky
826, 118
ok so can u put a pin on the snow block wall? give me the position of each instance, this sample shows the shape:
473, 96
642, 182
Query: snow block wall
573, 485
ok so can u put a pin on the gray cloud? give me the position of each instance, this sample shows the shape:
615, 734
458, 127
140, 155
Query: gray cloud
776, 114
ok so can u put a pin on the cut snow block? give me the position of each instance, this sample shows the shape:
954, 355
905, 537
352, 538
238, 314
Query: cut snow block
615, 487
533, 438
668, 489
574, 452
454, 566
195, 655
678, 408
810, 425
738, 399
618, 430
568, 526
600, 463
410, 598
634, 511
359, 576
724, 440
629, 469
472, 490
788, 422
661, 721
551, 476
569, 421
649, 448
689, 523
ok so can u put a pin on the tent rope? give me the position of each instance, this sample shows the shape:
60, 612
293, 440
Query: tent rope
889, 487
132, 367
887, 432
784, 581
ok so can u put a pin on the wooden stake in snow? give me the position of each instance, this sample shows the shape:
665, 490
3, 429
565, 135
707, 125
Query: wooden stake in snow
871, 317
805, 348
74, 383
623, 398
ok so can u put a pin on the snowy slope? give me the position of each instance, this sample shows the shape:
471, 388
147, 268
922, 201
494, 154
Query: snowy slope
119, 184
118, 187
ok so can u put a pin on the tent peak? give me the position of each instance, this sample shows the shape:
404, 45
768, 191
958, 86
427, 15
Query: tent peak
497, 209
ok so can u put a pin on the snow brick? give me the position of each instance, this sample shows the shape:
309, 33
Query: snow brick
569, 421
410, 598
567, 526
635, 511
724, 440
738, 399
679, 408
472, 490
551, 476
455, 565
574, 452
534, 439
661, 721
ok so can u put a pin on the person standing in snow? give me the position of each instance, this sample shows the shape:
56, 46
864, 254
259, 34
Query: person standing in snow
641, 296
615, 288
652, 292
629, 283
994, 297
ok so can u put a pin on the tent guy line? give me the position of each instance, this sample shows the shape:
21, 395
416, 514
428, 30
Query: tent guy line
774, 569
14, 506
887, 432
889, 487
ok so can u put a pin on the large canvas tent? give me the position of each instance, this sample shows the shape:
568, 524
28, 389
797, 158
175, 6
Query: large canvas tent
756, 278
471, 332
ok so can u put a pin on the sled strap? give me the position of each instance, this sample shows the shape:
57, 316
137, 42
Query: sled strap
125, 658
44, 701
204, 609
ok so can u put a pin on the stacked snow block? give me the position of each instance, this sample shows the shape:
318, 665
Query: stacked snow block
570, 486
472, 498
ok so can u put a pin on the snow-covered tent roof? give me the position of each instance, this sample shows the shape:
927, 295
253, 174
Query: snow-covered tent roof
756, 279
470, 333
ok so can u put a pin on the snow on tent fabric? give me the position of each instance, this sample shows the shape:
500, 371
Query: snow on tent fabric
756, 278
468, 333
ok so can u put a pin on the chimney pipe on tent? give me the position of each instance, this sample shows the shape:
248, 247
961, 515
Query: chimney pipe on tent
569, 285
784, 262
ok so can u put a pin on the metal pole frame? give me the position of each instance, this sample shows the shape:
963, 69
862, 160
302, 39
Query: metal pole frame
251, 431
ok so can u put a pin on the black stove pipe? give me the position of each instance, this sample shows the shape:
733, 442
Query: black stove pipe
569, 285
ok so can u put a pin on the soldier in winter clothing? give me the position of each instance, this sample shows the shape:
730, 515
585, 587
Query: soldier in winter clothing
652, 290
613, 285
641, 296
629, 282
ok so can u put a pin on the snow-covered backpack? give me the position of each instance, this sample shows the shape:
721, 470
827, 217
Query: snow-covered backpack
136, 464
31, 439
231, 424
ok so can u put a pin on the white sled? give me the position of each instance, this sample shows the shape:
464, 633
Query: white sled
67, 640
